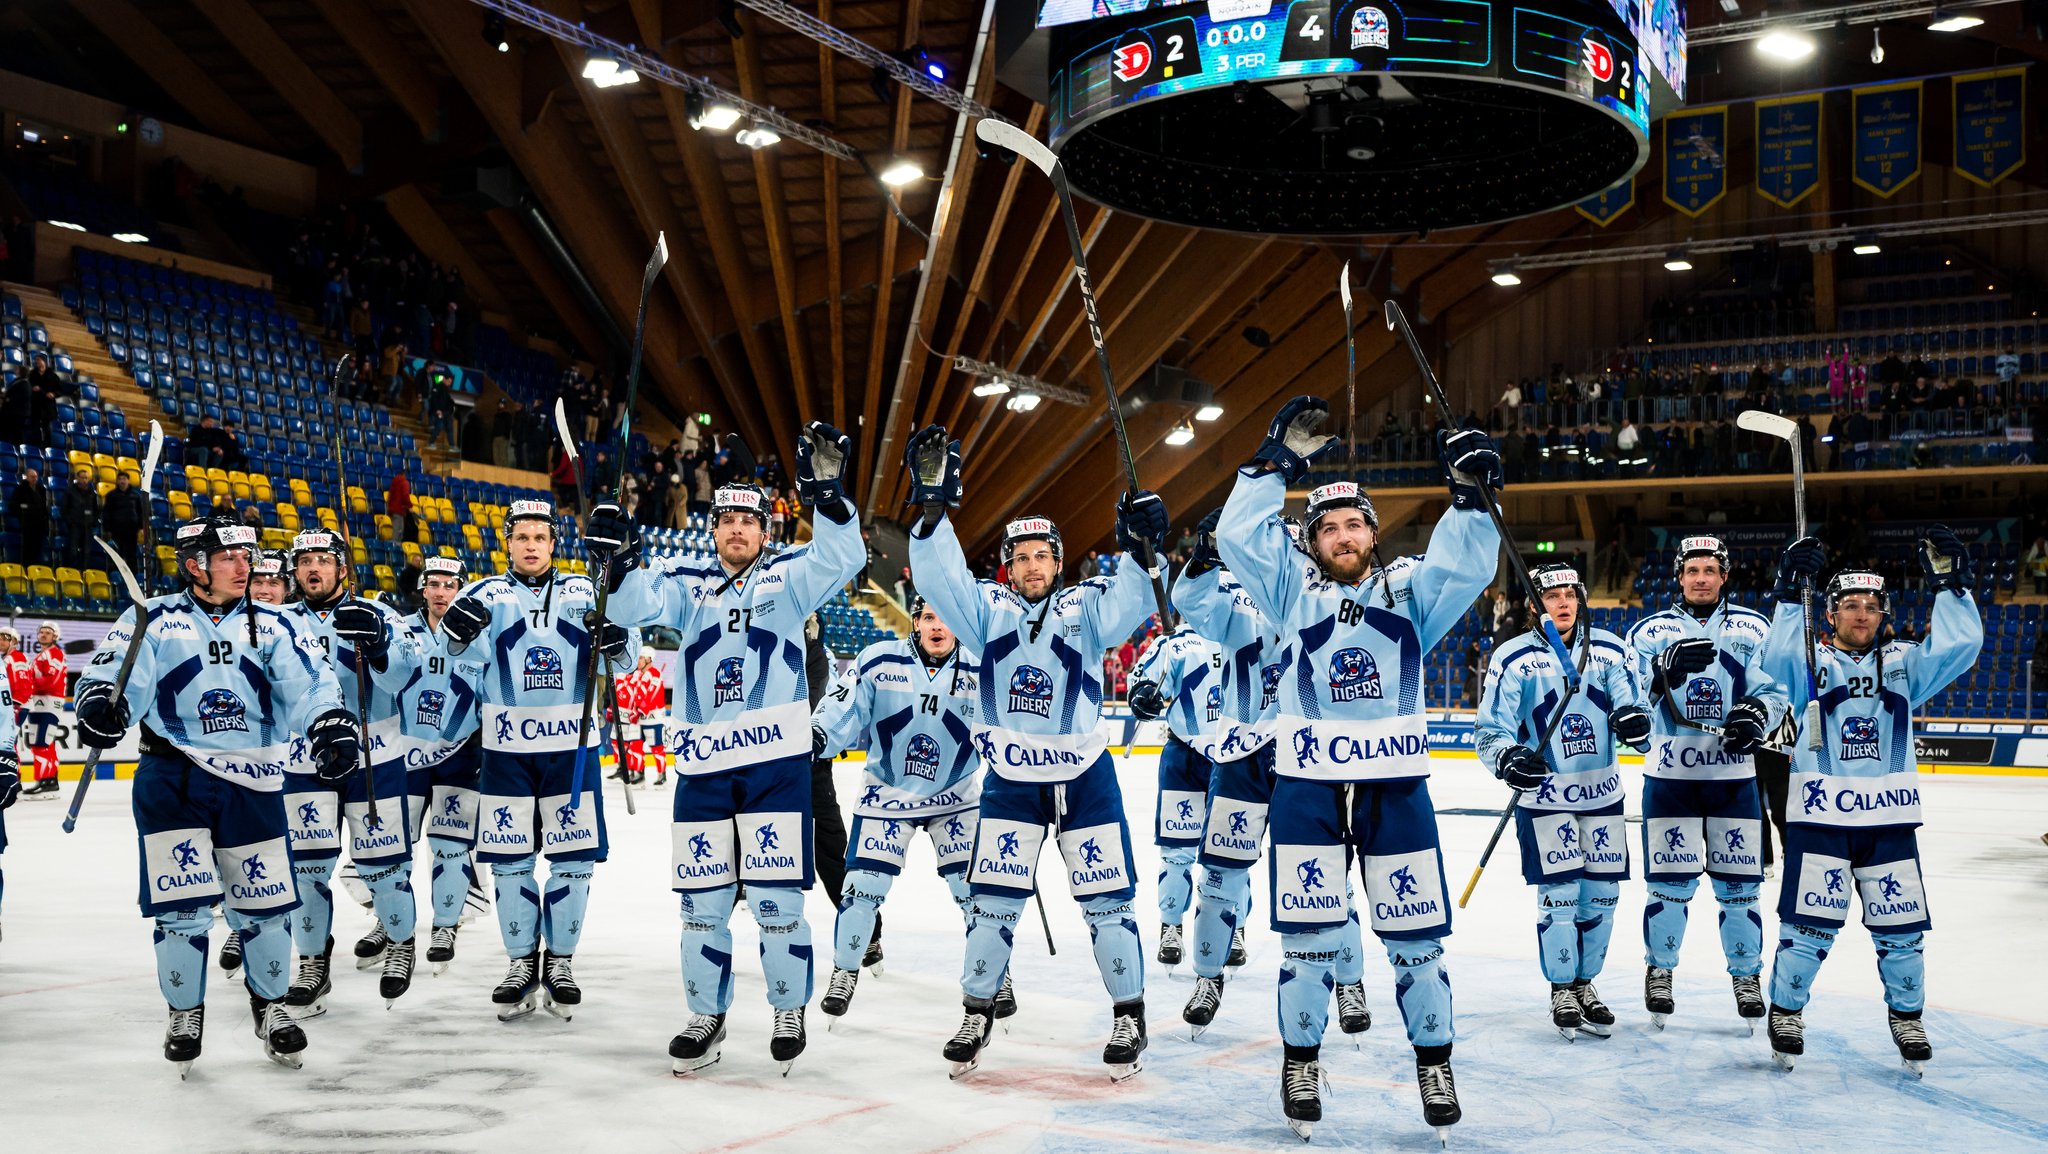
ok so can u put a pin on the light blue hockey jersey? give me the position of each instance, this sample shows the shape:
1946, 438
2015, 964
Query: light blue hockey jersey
1524, 691
436, 707
1680, 753
1865, 772
1041, 664
7, 703
317, 627
740, 688
229, 706
916, 723
1217, 607
534, 656
1189, 670
1350, 706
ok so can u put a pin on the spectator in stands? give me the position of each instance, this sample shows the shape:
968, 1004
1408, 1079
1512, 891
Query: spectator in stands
2036, 564
700, 487
504, 423
398, 506
125, 511
233, 456
476, 437
203, 445
1091, 565
796, 515
362, 329
334, 298
562, 478
17, 415
30, 506
1475, 668
1891, 370
778, 515
253, 517
2040, 659
603, 473
390, 367
79, 513
537, 432
440, 404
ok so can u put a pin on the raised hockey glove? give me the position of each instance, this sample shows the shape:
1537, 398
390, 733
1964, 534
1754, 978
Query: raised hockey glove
1521, 767
933, 463
1295, 438
1147, 702
102, 716
10, 777
1470, 459
1680, 660
612, 538
1205, 557
821, 453
357, 622
1944, 560
609, 636
1631, 726
337, 745
465, 620
1742, 731
817, 743
1801, 563
1140, 520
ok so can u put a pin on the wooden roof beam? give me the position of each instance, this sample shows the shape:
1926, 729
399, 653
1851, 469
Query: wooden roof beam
775, 222
409, 84
869, 438
411, 211
148, 49
291, 76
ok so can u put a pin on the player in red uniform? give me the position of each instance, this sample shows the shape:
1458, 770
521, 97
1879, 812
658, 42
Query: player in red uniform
641, 700
45, 702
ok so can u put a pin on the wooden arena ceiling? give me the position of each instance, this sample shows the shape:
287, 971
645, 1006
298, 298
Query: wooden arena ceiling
790, 286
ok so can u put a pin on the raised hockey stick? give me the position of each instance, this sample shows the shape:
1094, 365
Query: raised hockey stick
1572, 683
141, 603
1399, 321
1022, 143
1350, 376
348, 546
618, 744
1787, 430
593, 672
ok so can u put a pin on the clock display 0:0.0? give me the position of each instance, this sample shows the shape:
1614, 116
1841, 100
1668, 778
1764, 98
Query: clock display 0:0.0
1253, 31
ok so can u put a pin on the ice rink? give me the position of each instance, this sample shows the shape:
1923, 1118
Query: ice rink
81, 1026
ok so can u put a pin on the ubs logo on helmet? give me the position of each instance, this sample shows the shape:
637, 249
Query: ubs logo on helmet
543, 668
430, 707
1031, 691
220, 710
729, 682
1703, 699
921, 759
1353, 674
1577, 734
1859, 738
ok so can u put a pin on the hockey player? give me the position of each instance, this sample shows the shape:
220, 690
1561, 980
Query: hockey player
270, 583
531, 629
219, 686
640, 697
1040, 647
1179, 678
10, 761
910, 704
1351, 738
1569, 815
1849, 840
21, 679
1241, 786
1700, 664
743, 747
438, 743
45, 702
351, 634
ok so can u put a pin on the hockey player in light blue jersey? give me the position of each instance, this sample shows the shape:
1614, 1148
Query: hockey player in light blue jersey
532, 629
910, 704
1240, 789
743, 740
1700, 664
1351, 740
1041, 648
220, 685
1855, 801
10, 763
1569, 816
349, 632
1179, 677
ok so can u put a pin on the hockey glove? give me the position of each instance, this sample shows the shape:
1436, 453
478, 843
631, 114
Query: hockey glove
465, 620
1800, 564
337, 745
1944, 560
1295, 438
10, 777
1147, 703
357, 622
821, 453
933, 463
1140, 520
611, 637
1521, 767
1631, 726
1205, 557
612, 538
817, 743
1470, 460
1680, 660
1742, 731
102, 716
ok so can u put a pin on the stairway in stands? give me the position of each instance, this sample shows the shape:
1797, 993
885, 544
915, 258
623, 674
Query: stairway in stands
117, 387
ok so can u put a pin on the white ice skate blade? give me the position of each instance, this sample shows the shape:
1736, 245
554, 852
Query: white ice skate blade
438, 968
1569, 1033
1784, 1061
1306, 1131
374, 961
1595, 1030
962, 1069
684, 1067
1124, 1072
784, 1066
875, 969
184, 1069
313, 1009
1195, 1032
1751, 1023
519, 1009
557, 1009
1917, 1069
1443, 1137
1657, 1020
288, 1061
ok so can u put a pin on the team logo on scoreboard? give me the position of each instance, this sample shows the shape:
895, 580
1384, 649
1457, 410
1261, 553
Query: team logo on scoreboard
1132, 60
1599, 60
1368, 28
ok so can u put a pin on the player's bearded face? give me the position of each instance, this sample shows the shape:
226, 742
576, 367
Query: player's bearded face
739, 539
1033, 569
1343, 544
269, 590
439, 593
318, 575
1856, 621
533, 548
1563, 606
1701, 579
933, 634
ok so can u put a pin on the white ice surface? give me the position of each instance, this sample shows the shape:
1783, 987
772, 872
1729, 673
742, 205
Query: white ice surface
81, 1026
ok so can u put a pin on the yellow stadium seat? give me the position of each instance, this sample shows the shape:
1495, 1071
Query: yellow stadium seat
261, 484
277, 538
471, 538
42, 580
238, 481
217, 480
498, 563
449, 551
328, 521
411, 550
359, 551
357, 503
302, 493
386, 579
385, 530
288, 515
98, 585
166, 561
181, 505
79, 458
130, 465
105, 466
70, 582
15, 579
104, 487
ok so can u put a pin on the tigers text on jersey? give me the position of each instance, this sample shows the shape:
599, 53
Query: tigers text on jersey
1189, 670
1525, 689
231, 708
916, 723
436, 707
1865, 772
382, 744
1041, 664
1217, 607
1677, 752
740, 692
535, 658
1350, 703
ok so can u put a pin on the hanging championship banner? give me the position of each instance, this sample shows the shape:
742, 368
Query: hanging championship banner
1696, 159
1991, 124
1602, 208
1885, 125
1788, 148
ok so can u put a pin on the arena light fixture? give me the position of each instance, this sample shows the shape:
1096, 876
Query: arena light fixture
1953, 21
714, 115
494, 31
131, 237
900, 172
598, 67
1785, 45
1182, 434
1208, 412
1023, 402
66, 224
1675, 261
757, 137
1867, 247
1504, 275
991, 388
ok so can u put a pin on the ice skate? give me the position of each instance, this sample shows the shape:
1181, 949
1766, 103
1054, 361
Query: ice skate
1439, 1097
397, 979
1006, 1000
441, 948
1237, 957
231, 952
283, 1040
1911, 1037
1202, 1005
1657, 995
1126, 1041
561, 994
788, 1039
307, 996
838, 993
964, 1050
698, 1046
182, 1036
1749, 1000
1565, 1013
1788, 1036
872, 958
1169, 944
370, 948
1598, 1019
1353, 1015
1301, 1090
515, 997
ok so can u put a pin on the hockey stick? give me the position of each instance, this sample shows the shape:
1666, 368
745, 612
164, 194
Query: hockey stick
611, 691
1350, 376
1787, 430
348, 546
1044, 923
1397, 320
137, 594
1573, 681
592, 672
1022, 143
